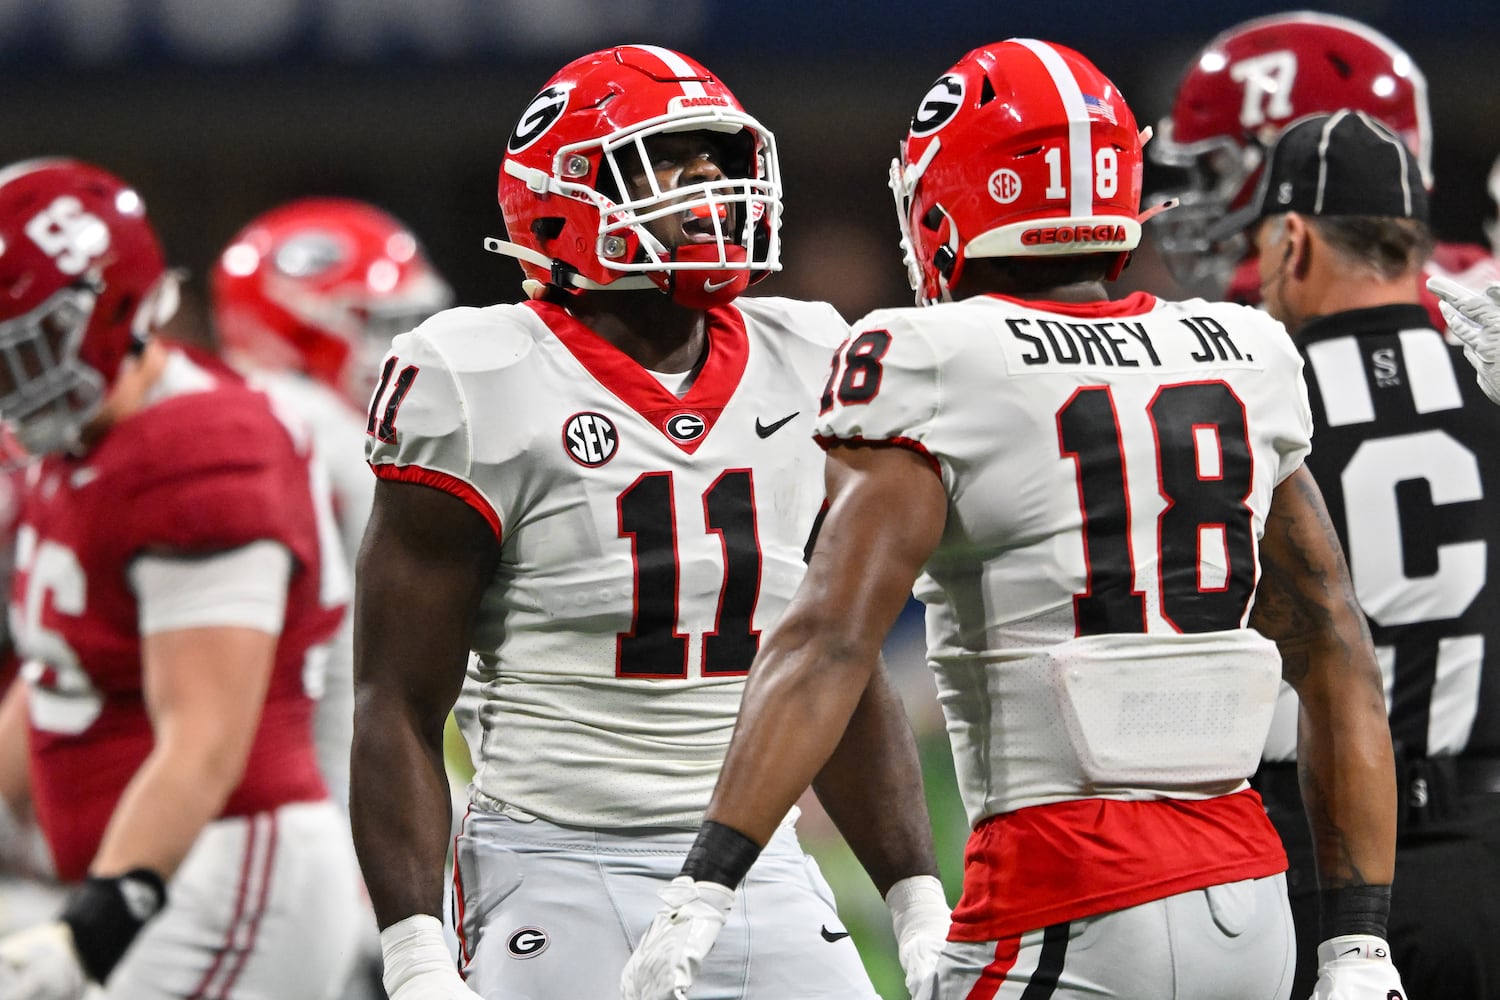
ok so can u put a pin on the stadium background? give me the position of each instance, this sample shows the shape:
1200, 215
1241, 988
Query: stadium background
219, 109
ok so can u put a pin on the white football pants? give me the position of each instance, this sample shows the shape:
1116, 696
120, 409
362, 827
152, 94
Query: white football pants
1226, 942
547, 912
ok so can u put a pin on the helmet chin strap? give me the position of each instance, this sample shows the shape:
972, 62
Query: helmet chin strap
698, 288
706, 288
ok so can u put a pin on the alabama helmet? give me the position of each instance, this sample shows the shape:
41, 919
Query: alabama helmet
1023, 148
1240, 92
320, 286
563, 191
83, 283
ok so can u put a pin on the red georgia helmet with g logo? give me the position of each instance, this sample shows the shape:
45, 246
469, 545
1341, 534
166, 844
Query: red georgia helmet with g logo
321, 285
1240, 92
564, 195
1023, 148
83, 283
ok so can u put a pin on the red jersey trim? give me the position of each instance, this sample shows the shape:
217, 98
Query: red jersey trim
1134, 304
911, 444
1049, 864
728, 353
448, 484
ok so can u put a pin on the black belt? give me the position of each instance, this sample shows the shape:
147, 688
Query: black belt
1419, 780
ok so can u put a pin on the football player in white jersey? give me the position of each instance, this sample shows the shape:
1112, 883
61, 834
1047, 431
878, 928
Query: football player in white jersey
607, 492
306, 298
1103, 505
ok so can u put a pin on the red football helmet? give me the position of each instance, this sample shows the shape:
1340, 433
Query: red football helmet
563, 189
1238, 94
83, 283
1023, 148
320, 286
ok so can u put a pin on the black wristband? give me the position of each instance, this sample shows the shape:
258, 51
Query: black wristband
107, 913
720, 854
1355, 909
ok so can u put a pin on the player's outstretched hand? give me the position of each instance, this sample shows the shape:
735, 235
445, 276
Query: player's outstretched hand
1357, 967
1474, 319
40, 963
417, 963
666, 961
920, 918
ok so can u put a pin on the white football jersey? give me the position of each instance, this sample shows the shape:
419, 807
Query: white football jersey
646, 539
1109, 467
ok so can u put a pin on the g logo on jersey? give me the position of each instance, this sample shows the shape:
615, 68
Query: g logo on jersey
686, 426
545, 108
528, 942
590, 439
938, 106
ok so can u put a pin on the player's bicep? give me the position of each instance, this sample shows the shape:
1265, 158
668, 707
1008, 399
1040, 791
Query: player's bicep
885, 516
425, 561
204, 687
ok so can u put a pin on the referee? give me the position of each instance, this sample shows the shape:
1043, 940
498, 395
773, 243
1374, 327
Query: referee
1407, 452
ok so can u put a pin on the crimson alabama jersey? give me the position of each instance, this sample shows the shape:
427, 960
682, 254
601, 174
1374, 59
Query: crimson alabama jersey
206, 469
646, 539
1109, 468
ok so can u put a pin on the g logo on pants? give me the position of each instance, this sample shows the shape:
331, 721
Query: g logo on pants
527, 942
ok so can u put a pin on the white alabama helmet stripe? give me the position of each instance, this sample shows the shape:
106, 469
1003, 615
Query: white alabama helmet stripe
1080, 135
678, 66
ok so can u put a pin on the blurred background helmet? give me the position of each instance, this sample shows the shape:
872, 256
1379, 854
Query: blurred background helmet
320, 286
1237, 95
83, 283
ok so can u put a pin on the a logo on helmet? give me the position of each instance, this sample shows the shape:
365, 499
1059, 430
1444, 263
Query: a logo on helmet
590, 439
1005, 185
308, 254
1048, 235
73, 237
682, 101
686, 426
938, 106
544, 110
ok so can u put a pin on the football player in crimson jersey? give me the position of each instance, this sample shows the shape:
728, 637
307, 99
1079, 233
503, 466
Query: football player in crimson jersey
606, 493
1238, 93
1104, 507
174, 580
1405, 442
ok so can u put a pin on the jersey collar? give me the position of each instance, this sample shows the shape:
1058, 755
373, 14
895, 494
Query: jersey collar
728, 351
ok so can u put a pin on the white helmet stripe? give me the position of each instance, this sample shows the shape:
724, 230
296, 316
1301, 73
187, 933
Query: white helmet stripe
678, 67
1080, 135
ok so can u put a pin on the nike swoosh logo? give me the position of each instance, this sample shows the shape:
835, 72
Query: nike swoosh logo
1351, 951
829, 935
766, 430
713, 286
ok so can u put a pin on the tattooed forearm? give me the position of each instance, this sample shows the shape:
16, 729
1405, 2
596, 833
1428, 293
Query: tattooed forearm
1337, 865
